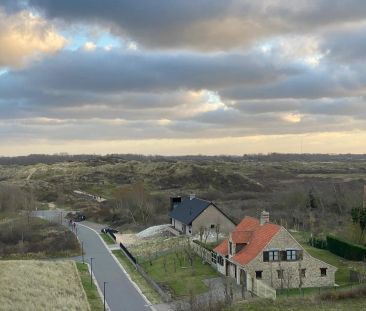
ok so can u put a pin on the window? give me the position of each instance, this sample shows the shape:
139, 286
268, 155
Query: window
280, 274
258, 275
303, 273
213, 257
220, 260
212, 226
323, 271
291, 255
271, 255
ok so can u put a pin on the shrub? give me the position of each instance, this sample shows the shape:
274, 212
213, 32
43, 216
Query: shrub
346, 249
318, 243
359, 292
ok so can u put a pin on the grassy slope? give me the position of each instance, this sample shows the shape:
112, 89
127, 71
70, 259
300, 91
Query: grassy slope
107, 238
181, 280
91, 291
41, 285
146, 289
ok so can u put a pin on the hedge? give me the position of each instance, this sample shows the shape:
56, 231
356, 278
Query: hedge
346, 249
318, 243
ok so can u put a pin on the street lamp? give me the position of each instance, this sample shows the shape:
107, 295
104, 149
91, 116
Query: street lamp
91, 272
104, 283
82, 250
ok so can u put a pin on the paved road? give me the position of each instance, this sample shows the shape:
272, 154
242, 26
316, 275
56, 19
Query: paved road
121, 295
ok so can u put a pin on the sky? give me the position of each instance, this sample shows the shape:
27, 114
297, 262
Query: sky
182, 77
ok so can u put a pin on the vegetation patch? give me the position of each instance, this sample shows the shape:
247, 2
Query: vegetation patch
41, 285
146, 289
107, 238
32, 237
299, 304
181, 272
91, 291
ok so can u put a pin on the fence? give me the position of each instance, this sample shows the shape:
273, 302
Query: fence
166, 297
206, 254
128, 254
111, 234
355, 276
263, 290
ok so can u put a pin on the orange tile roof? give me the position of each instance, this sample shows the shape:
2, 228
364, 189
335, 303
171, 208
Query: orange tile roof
262, 235
241, 236
255, 235
222, 248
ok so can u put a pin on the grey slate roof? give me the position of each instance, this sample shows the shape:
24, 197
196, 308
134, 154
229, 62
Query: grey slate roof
188, 210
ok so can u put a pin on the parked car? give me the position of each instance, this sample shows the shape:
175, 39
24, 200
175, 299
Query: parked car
77, 217
107, 230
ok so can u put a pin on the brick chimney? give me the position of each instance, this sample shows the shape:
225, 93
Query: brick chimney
264, 217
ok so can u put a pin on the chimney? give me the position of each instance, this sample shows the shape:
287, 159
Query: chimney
264, 217
192, 196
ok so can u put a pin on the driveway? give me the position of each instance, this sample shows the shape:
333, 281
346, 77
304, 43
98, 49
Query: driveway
121, 294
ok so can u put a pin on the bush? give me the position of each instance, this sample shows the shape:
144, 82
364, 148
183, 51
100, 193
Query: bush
318, 243
346, 249
359, 292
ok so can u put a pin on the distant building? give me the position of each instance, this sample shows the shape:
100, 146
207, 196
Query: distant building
260, 250
190, 214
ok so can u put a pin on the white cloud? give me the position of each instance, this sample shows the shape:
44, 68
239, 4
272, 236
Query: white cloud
24, 35
89, 46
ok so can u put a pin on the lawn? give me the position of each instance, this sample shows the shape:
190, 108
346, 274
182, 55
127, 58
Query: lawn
299, 304
154, 247
41, 285
91, 291
107, 238
174, 271
343, 265
146, 289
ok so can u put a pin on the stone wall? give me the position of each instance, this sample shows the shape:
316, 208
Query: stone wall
291, 269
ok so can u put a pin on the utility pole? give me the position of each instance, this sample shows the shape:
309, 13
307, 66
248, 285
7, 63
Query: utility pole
82, 250
104, 283
91, 271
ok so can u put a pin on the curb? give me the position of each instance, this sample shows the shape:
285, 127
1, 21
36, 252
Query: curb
148, 303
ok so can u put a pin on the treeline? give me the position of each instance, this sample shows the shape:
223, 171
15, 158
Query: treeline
115, 158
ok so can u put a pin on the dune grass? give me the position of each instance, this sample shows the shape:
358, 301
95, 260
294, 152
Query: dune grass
91, 291
41, 285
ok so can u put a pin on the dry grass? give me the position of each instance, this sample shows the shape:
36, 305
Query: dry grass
41, 285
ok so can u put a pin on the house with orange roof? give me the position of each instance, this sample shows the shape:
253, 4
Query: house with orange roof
260, 250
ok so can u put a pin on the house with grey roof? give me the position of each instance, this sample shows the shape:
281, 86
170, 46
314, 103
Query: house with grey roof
189, 215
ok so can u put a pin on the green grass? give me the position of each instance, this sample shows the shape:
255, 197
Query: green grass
91, 291
299, 304
107, 238
343, 265
180, 279
146, 289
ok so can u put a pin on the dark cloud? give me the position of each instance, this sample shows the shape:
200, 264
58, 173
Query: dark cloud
204, 24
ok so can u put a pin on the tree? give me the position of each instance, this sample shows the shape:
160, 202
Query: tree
217, 229
358, 215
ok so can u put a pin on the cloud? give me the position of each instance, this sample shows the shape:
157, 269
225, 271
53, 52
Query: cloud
204, 24
24, 35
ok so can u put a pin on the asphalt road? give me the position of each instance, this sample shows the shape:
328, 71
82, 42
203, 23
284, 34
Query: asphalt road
121, 294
